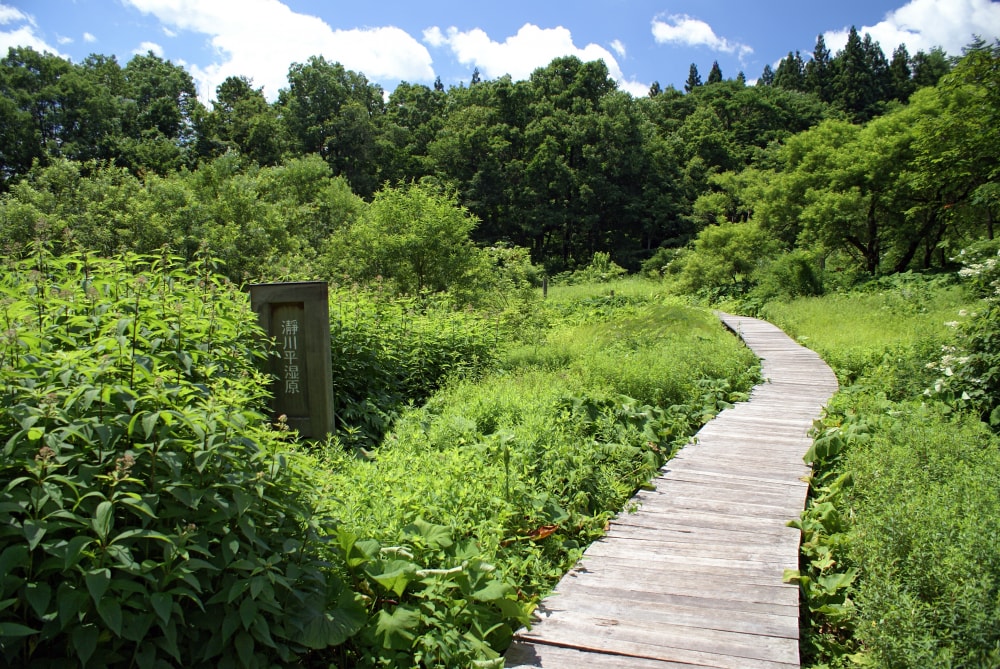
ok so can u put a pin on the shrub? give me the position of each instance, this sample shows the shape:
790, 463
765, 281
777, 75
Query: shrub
148, 514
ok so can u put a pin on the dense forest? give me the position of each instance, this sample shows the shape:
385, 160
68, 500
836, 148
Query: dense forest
563, 164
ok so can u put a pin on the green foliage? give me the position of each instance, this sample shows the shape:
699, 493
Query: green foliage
888, 331
601, 269
925, 499
723, 260
789, 275
898, 564
530, 461
392, 351
150, 515
970, 369
414, 237
454, 614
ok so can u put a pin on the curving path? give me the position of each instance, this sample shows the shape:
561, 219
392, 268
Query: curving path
694, 577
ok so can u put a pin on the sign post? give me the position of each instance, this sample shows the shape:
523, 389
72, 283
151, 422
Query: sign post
297, 317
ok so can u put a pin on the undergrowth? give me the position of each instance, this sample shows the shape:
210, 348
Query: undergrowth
529, 462
899, 566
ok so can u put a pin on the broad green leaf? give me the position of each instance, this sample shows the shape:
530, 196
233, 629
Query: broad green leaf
493, 591
103, 518
70, 601
248, 611
38, 595
138, 504
435, 536
33, 532
15, 630
397, 630
14, 558
97, 583
163, 605
396, 576
320, 627
244, 648
111, 613
84, 638
149, 422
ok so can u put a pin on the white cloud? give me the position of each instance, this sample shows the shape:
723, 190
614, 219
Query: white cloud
261, 38
925, 24
146, 47
89, 38
64, 40
618, 48
521, 54
22, 35
10, 14
687, 31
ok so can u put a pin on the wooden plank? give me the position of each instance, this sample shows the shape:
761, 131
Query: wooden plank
691, 574
522, 655
666, 641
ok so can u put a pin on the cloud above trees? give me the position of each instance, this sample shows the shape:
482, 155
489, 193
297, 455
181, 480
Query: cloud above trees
521, 54
688, 31
924, 24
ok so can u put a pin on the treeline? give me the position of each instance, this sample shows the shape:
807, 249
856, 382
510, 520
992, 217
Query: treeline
906, 190
563, 164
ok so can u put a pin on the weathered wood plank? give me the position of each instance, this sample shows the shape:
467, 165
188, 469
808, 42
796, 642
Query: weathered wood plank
691, 574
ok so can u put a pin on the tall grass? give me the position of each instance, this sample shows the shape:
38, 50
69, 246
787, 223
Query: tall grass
531, 459
897, 329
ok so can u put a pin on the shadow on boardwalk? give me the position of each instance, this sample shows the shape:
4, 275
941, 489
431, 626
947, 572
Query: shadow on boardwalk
694, 577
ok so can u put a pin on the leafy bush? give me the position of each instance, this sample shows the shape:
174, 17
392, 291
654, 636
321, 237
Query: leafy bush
791, 274
390, 351
600, 269
970, 370
928, 514
150, 516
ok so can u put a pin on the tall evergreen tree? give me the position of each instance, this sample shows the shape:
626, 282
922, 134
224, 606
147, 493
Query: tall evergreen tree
819, 71
655, 89
693, 80
475, 77
741, 78
766, 77
858, 88
878, 66
902, 79
438, 86
929, 67
791, 73
715, 76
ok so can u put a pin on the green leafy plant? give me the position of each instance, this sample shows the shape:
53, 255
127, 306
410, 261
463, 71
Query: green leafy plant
150, 515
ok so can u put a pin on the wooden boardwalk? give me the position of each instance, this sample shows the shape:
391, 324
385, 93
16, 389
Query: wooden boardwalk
694, 577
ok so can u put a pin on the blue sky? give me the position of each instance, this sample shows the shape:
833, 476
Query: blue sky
390, 41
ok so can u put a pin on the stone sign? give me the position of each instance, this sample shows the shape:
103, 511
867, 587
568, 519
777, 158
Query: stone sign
297, 317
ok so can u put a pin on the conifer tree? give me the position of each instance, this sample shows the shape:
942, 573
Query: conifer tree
791, 73
715, 76
766, 77
693, 80
855, 87
902, 78
819, 71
